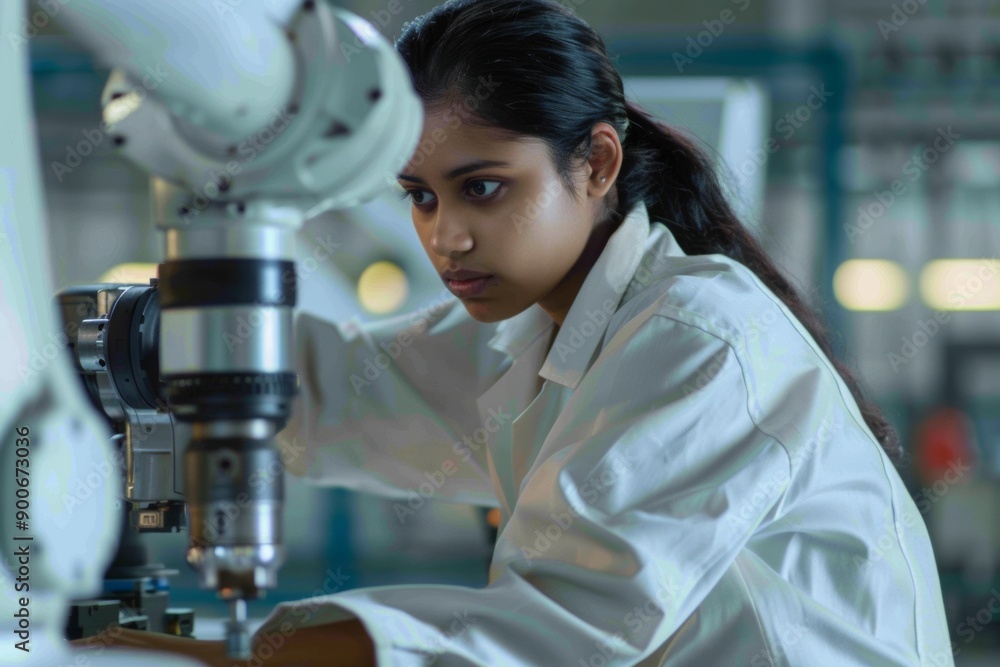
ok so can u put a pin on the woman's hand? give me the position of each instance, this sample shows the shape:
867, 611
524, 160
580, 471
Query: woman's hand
343, 644
209, 652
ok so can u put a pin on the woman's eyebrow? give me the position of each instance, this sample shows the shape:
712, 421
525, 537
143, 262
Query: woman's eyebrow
459, 171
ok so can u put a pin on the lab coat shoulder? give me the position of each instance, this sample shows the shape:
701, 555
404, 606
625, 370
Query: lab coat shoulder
793, 392
690, 369
382, 406
636, 500
704, 328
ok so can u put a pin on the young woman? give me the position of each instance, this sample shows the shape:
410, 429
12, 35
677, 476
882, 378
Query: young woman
685, 474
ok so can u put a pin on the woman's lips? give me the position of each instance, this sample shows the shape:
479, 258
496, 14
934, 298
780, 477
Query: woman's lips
469, 288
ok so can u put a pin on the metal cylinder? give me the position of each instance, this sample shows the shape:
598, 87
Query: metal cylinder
235, 491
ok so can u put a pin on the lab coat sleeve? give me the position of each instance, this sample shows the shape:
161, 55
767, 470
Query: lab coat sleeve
382, 405
651, 482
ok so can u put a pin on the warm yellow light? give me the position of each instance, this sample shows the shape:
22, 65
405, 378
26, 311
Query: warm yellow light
961, 284
382, 288
871, 284
131, 273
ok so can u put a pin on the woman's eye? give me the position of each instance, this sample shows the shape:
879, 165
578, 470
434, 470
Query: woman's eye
417, 196
484, 188
479, 189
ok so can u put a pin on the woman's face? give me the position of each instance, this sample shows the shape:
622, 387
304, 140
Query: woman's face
492, 203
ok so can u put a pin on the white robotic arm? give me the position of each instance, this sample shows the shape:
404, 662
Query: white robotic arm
49, 435
219, 66
251, 116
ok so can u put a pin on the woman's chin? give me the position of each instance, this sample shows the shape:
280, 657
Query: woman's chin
481, 311
488, 311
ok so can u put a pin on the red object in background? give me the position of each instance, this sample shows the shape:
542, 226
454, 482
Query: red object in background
944, 439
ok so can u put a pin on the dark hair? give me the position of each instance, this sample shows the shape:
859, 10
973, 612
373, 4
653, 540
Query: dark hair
556, 82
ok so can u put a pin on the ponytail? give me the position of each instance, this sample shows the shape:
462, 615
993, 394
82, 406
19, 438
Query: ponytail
678, 183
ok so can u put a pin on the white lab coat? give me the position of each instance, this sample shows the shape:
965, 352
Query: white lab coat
683, 479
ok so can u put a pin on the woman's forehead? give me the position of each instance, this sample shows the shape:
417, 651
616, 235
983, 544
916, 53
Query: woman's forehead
444, 148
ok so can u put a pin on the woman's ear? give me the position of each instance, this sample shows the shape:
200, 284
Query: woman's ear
605, 160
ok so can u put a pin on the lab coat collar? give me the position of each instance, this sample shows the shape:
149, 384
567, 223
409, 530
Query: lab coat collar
588, 317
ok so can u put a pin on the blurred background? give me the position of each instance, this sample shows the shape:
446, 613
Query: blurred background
860, 140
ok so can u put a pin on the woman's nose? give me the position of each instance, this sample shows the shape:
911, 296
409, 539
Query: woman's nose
450, 237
